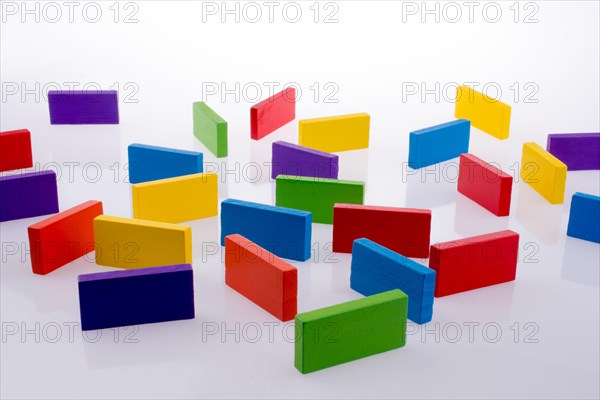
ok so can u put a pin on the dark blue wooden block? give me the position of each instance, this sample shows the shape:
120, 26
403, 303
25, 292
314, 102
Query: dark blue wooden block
584, 217
28, 195
150, 163
438, 143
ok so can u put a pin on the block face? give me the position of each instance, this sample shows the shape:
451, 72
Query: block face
63, 237
179, 199
292, 159
151, 163
474, 262
210, 129
261, 276
403, 230
579, 151
282, 231
82, 107
349, 331
546, 174
332, 134
15, 150
438, 143
485, 113
584, 217
485, 184
28, 195
142, 296
317, 195
272, 113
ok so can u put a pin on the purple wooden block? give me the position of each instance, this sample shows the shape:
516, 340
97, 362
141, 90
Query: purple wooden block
580, 151
292, 159
83, 107
28, 195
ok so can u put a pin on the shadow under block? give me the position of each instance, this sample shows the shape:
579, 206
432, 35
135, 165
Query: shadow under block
403, 230
438, 143
151, 163
317, 195
282, 231
272, 113
332, 134
292, 159
485, 184
349, 331
133, 243
485, 113
28, 195
179, 199
82, 107
141, 296
579, 151
584, 217
64, 237
261, 277
15, 150
545, 173
210, 129
474, 262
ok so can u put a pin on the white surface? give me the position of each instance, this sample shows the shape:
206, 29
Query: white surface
371, 55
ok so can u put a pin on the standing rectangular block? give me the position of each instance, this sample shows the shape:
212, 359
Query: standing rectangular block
261, 277
82, 107
210, 129
349, 331
63, 237
474, 262
403, 230
15, 150
272, 113
292, 159
545, 173
438, 143
28, 195
142, 296
317, 195
485, 113
340, 133
584, 217
282, 231
151, 163
579, 151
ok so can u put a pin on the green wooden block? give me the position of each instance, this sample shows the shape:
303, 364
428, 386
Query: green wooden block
349, 331
317, 195
210, 129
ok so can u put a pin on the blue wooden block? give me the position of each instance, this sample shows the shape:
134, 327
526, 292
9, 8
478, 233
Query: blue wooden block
150, 163
584, 217
376, 269
28, 195
137, 296
282, 231
438, 143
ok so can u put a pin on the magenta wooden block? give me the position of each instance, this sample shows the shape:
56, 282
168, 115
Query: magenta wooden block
28, 195
292, 159
580, 151
77, 107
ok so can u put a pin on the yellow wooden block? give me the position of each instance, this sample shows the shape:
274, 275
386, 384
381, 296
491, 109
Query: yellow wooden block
543, 172
179, 199
133, 243
485, 113
341, 133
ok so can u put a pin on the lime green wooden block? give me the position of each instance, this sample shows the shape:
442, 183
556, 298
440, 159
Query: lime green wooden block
210, 129
349, 331
317, 195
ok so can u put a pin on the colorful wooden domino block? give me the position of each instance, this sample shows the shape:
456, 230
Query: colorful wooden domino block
63, 237
317, 195
579, 151
340, 133
81, 107
272, 113
292, 159
438, 143
545, 173
15, 150
346, 332
28, 195
282, 231
133, 243
474, 262
485, 113
151, 163
142, 296
210, 129
584, 217
261, 277
403, 230
485, 184
179, 199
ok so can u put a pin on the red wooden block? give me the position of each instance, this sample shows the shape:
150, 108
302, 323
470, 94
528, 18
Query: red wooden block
15, 150
474, 262
485, 184
272, 113
63, 237
403, 230
261, 276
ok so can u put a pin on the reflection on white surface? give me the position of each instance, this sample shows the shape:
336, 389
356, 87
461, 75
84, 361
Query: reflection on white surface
580, 262
540, 218
471, 219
